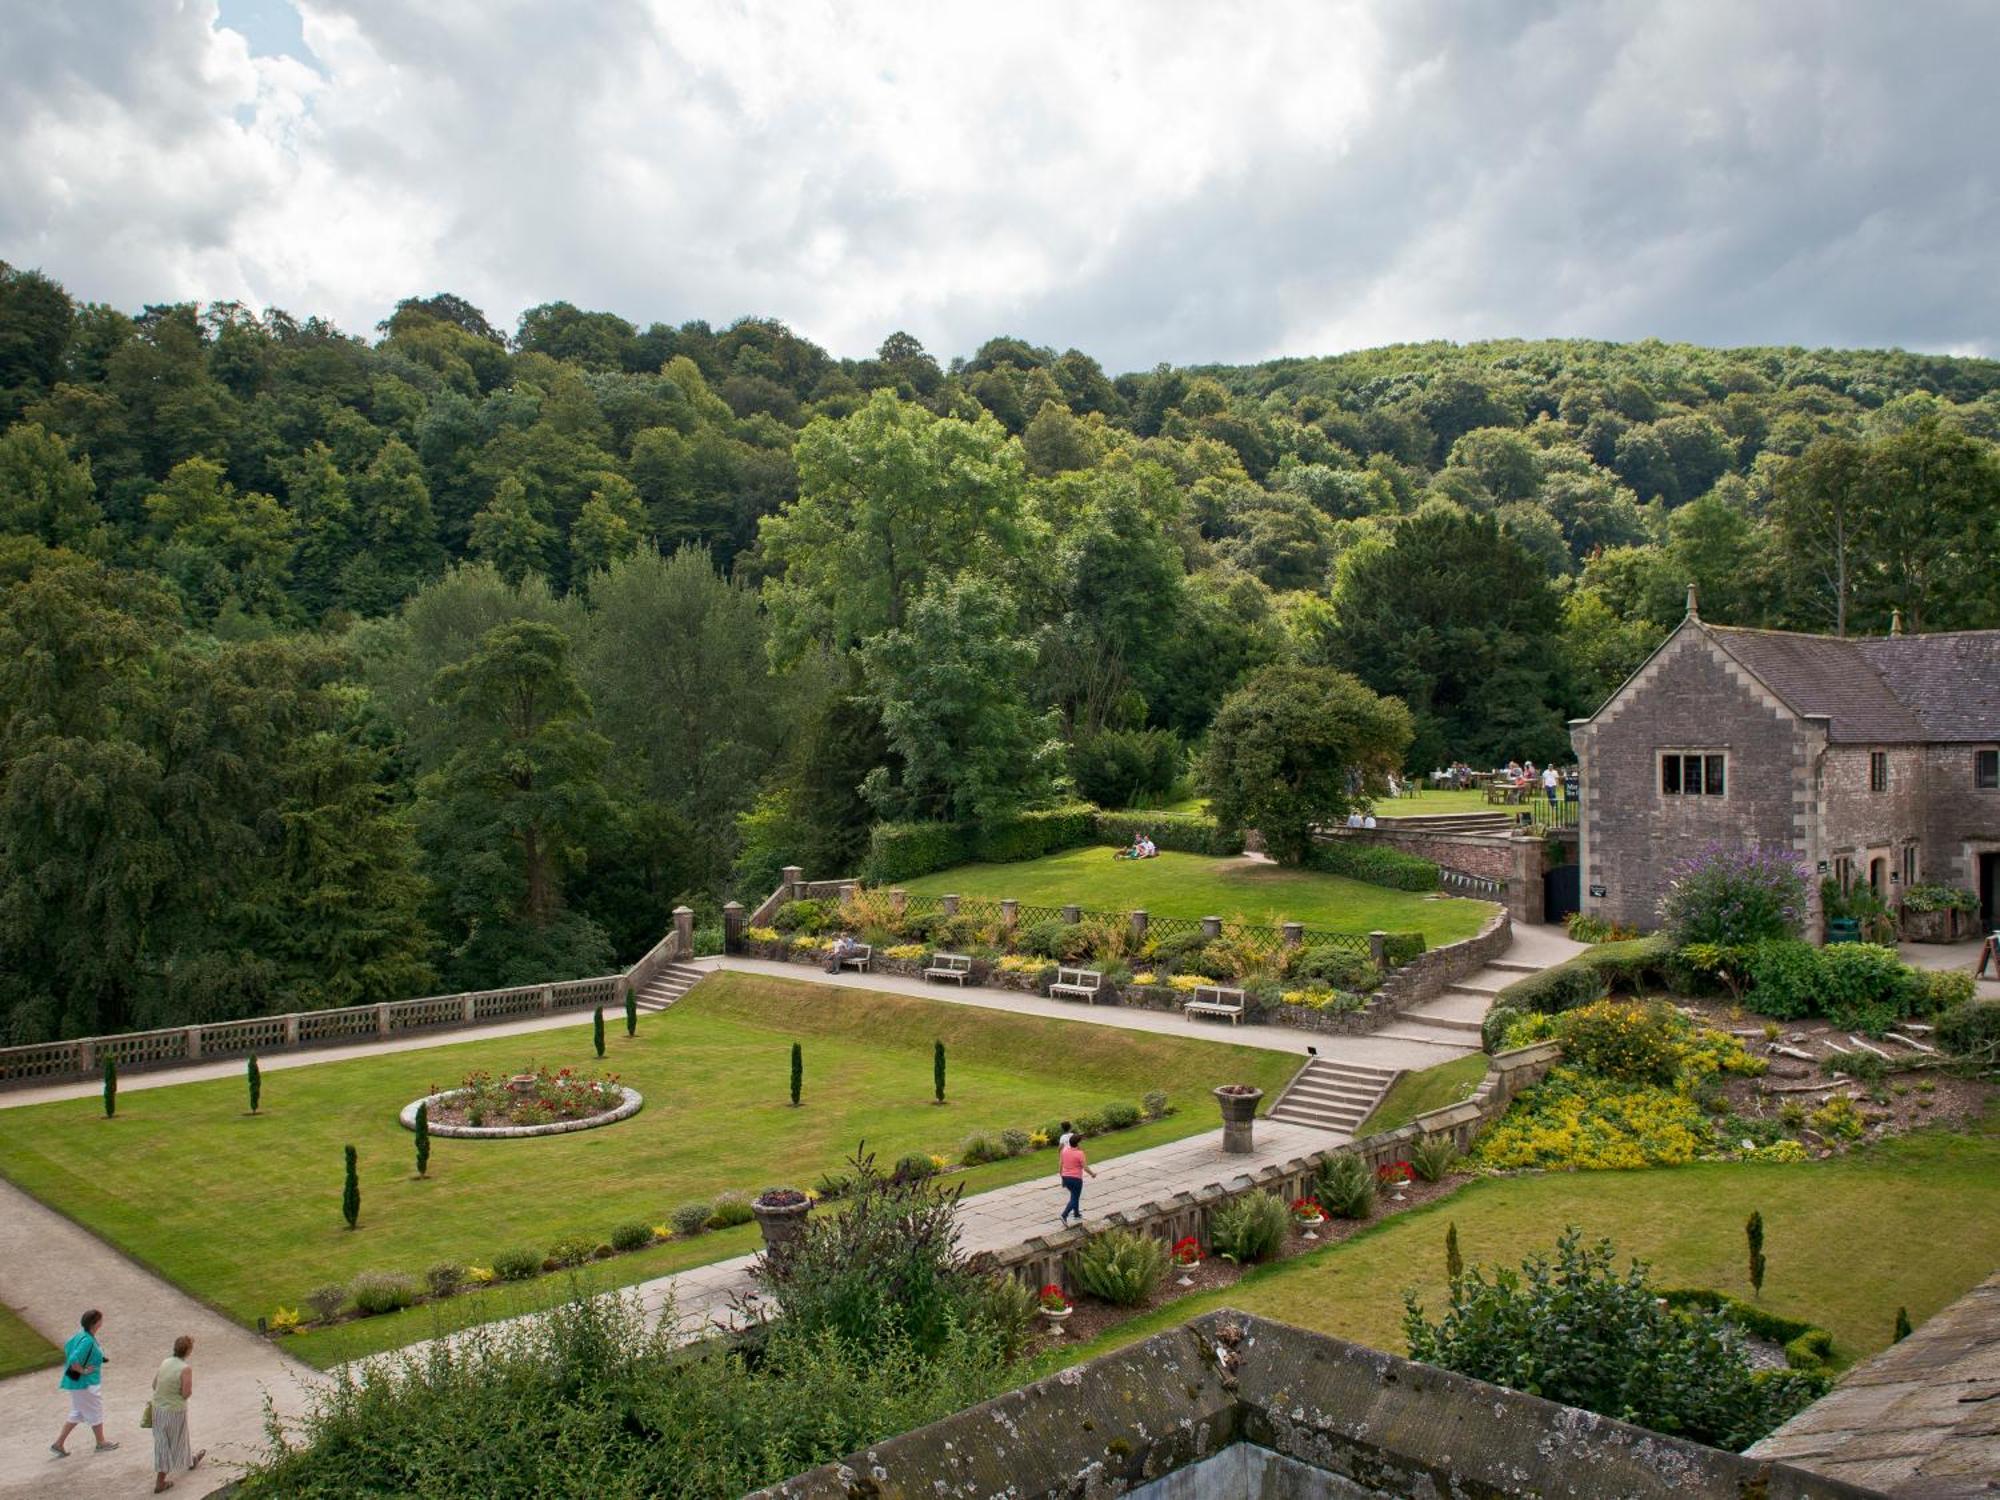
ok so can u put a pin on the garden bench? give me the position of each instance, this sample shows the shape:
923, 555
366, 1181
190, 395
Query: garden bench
953, 966
859, 957
1216, 1000
1077, 984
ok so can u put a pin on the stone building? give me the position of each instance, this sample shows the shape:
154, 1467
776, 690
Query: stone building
1875, 759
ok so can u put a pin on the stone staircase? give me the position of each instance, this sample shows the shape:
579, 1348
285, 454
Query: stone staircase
1454, 1017
667, 986
1333, 1096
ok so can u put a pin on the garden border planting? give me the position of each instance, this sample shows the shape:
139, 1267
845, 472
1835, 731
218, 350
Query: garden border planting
630, 1104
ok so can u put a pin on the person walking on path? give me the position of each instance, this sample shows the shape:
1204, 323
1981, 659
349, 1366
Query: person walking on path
83, 1378
171, 1389
1073, 1168
1549, 784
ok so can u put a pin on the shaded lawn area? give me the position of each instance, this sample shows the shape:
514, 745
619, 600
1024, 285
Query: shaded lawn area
1424, 1090
244, 1211
21, 1348
1197, 885
1913, 1222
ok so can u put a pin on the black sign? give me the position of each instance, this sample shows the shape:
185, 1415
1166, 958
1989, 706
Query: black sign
1597, 892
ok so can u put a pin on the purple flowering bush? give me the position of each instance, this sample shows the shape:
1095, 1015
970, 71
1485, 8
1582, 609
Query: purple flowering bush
1735, 894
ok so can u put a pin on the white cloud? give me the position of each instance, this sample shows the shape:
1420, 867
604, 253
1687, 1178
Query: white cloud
1181, 181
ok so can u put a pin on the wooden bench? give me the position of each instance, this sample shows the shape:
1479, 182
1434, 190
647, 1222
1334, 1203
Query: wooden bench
953, 966
1077, 984
859, 958
1216, 1000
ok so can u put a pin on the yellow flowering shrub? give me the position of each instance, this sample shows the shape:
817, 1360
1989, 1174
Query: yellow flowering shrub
1038, 1139
1022, 963
1838, 1119
938, 1161
1188, 982
1783, 1151
1146, 978
284, 1320
479, 1275
1575, 1119
662, 1232
908, 952
806, 943
762, 934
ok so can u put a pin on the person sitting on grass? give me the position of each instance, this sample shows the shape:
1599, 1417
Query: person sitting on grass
1146, 847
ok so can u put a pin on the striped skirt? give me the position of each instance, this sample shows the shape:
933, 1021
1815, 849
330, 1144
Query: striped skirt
171, 1452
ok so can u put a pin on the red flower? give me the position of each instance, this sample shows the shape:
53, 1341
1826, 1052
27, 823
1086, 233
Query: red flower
1308, 1208
1394, 1172
1187, 1251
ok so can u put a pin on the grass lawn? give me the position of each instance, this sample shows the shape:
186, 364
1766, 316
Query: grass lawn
1431, 804
244, 1211
1427, 1089
21, 1348
1914, 1222
1195, 885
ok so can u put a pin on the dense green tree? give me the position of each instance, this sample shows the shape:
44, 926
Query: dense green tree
1294, 748
45, 493
511, 534
36, 318
1453, 616
227, 551
610, 526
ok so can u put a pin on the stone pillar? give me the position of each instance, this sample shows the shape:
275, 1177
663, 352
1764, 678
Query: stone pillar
382, 1020
194, 1043
948, 904
1010, 915
849, 890
468, 1008
1378, 950
684, 931
732, 927
1527, 858
86, 1057
899, 901
291, 1030
1211, 927
1072, 914
548, 998
1294, 933
794, 878
1139, 921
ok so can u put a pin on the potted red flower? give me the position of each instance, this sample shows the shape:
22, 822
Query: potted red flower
1395, 1175
1187, 1251
1307, 1211
1054, 1305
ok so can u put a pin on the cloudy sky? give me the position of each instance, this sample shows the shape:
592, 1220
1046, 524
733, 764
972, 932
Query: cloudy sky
1164, 181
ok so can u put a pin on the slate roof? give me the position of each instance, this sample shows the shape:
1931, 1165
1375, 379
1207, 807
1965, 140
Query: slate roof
1831, 677
1951, 682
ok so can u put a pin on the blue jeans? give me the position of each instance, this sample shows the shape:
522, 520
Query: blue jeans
1075, 1186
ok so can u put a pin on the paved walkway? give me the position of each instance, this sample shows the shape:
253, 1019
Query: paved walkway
52, 1270
1961, 956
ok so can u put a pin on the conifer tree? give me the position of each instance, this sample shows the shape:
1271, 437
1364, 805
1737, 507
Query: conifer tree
424, 1139
254, 1077
631, 1011
937, 1069
1902, 1326
1454, 1266
350, 1194
110, 1088
597, 1030
1753, 1234
798, 1072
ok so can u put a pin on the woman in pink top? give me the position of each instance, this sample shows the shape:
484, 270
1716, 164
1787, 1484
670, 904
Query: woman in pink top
1073, 1168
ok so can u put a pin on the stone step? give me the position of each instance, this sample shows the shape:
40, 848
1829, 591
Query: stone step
1323, 1067
1513, 966
667, 986
1472, 986
1449, 1023
1434, 1036
1459, 1005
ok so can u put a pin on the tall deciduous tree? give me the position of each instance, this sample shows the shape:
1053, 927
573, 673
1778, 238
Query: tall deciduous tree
47, 494
1295, 748
511, 534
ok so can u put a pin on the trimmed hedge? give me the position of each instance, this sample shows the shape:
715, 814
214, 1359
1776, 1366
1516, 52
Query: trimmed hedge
1578, 981
1183, 833
903, 851
1400, 947
1374, 864
1030, 835
1806, 1346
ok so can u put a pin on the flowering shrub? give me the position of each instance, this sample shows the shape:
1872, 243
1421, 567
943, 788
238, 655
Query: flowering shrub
1630, 1043
1021, 963
1186, 983
1307, 1208
1730, 894
1145, 977
479, 1275
1838, 1119
1051, 1299
1187, 1251
762, 934
1394, 1173
1317, 998
285, 1320
1576, 1119
562, 1094
906, 952
1787, 1150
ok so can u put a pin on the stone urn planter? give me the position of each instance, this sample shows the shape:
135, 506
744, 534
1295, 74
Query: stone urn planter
1239, 1112
522, 1083
781, 1215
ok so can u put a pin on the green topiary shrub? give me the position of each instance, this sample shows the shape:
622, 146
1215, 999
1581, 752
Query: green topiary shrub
378, 1292
444, 1278
915, 1167
690, 1218
571, 1250
633, 1236
1401, 947
1346, 1188
977, 1150
517, 1264
729, 1210
1339, 967
1249, 1229
1014, 1142
1119, 1267
1121, 1116
1374, 864
806, 918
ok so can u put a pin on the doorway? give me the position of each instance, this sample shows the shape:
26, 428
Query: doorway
1878, 878
1989, 873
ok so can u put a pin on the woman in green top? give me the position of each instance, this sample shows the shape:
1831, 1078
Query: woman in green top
83, 1377
171, 1389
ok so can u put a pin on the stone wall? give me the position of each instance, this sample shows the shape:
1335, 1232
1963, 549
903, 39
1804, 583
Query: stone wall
1690, 696
1475, 853
1424, 977
1961, 821
1861, 824
1043, 1260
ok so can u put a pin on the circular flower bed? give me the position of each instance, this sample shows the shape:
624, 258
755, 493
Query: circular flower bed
542, 1102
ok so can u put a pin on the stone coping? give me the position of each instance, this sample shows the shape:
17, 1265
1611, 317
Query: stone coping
632, 1103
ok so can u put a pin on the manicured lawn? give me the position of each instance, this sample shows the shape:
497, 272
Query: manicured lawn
21, 1348
244, 1211
1913, 1222
1432, 804
1427, 1089
1195, 885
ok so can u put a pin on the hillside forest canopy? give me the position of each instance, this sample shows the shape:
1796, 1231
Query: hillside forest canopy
337, 668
